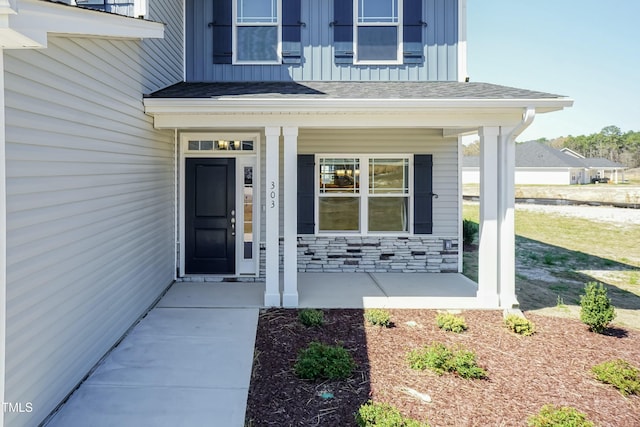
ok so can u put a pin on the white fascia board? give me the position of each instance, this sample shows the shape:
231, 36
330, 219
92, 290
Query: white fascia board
365, 106
424, 119
35, 19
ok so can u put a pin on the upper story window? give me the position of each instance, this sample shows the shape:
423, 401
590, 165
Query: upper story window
257, 31
378, 31
136, 8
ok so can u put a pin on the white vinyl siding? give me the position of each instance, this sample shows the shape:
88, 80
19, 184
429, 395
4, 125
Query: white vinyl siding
90, 210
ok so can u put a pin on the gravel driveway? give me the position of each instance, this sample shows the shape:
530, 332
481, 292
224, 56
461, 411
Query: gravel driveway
621, 216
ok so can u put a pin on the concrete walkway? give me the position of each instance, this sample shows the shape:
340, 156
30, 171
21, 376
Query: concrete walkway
178, 367
188, 362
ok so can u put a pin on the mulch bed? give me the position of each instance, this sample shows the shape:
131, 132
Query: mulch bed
524, 373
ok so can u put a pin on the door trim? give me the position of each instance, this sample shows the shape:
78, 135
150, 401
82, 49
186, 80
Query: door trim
243, 158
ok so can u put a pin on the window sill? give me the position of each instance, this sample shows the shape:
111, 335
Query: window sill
275, 62
378, 62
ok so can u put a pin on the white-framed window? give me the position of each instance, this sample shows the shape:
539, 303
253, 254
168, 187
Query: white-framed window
363, 194
378, 31
257, 32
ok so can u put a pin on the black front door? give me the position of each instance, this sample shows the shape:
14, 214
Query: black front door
210, 216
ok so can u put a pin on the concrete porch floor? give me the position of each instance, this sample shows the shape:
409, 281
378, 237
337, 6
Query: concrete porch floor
338, 290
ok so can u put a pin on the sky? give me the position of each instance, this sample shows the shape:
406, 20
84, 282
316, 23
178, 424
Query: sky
588, 50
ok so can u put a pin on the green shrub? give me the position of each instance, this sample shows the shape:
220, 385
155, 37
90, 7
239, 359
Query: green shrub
464, 364
451, 322
321, 361
384, 415
620, 374
469, 231
435, 357
311, 317
596, 310
520, 325
554, 416
378, 317
440, 359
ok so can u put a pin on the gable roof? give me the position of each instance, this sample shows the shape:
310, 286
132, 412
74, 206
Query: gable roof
534, 154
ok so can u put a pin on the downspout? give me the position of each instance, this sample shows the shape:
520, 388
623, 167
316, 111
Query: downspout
506, 209
527, 117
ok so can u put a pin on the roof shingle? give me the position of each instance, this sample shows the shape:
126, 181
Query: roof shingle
349, 90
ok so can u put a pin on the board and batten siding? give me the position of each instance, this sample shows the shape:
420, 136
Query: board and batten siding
387, 141
440, 37
164, 58
90, 211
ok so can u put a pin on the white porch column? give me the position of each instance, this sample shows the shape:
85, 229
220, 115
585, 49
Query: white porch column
488, 250
290, 294
272, 203
506, 220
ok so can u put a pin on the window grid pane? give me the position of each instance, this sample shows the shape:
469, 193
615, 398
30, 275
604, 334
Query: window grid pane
258, 43
257, 11
377, 43
339, 176
377, 11
388, 176
388, 214
339, 213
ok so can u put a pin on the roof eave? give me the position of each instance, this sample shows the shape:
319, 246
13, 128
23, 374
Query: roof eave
35, 19
290, 105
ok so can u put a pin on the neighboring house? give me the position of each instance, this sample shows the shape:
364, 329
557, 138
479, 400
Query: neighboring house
274, 135
599, 169
538, 163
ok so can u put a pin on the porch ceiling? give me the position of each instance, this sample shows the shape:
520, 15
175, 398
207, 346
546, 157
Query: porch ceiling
352, 104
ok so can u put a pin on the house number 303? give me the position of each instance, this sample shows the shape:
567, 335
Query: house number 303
272, 195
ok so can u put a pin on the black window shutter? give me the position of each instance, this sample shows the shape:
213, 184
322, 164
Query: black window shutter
423, 194
291, 32
412, 32
222, 28
343, 31
306, 193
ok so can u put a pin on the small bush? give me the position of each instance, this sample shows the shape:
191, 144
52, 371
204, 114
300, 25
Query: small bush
464, 364
553, 416
451, 322
440, 359
620, 374
435, 357
384, 415
311, 317
378, 317
469, 231
321, 361
596, 310
520, 325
